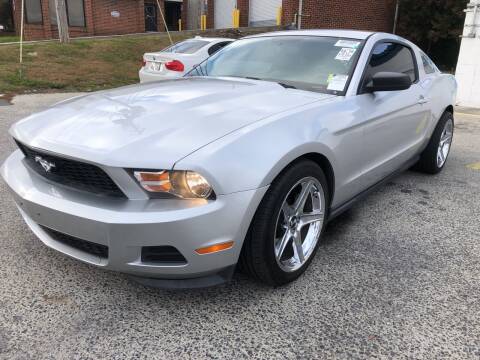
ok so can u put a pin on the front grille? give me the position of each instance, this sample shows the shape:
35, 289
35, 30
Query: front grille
72, 173
79, 244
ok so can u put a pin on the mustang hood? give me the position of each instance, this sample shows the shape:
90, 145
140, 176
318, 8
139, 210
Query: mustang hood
155, 125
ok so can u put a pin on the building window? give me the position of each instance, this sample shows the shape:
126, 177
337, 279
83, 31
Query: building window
33, 12
75, 12
52, 11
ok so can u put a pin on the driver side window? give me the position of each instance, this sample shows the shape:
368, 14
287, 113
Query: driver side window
391, 57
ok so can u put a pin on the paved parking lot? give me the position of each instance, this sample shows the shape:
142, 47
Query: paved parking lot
397, 276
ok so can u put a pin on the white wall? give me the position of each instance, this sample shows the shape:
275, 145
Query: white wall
223, 13
263, 12
468, 67
194, 12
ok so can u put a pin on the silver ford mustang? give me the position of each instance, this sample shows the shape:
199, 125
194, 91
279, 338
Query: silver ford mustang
244, 161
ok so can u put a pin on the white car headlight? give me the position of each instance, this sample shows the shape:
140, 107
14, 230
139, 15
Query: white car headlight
184, 184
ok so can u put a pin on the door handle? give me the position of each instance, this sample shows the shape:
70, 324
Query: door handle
422, 100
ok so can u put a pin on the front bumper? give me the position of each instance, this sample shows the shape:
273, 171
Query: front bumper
127, 225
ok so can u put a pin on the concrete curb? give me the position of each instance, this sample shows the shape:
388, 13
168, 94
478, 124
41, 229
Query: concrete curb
467, 110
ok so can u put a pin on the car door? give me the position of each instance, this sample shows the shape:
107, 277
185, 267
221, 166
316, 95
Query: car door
394, 120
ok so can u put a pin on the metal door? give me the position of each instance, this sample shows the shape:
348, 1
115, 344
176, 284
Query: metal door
151, 17
263, 12
223, 13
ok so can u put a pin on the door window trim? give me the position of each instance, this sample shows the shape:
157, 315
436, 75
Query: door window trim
393, 41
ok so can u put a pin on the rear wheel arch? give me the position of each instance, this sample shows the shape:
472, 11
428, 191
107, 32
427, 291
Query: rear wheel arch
449, 109
438, 147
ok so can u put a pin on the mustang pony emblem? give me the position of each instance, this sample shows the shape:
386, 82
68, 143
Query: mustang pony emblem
47, 165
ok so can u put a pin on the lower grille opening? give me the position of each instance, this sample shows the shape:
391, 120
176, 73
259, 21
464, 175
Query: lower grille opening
79, 244
162, 254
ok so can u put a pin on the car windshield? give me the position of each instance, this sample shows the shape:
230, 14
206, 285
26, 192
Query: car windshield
322, 64
186, 47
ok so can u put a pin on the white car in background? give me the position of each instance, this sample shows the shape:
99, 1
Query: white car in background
178, 59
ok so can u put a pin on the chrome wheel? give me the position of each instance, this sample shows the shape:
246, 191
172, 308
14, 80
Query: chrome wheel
445, 143
299, 224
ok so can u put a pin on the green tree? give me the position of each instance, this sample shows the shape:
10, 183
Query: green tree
434, 25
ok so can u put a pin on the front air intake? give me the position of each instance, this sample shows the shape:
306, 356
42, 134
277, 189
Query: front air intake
83, 245
162, 254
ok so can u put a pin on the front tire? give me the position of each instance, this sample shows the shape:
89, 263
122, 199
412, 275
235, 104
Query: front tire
434, 157
286, 229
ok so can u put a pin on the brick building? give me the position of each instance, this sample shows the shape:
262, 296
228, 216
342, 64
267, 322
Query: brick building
377, 15
108, 17
97, 17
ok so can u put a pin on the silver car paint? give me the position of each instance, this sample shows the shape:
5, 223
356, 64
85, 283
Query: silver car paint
238, 133
365, 137
146, 120
127, 225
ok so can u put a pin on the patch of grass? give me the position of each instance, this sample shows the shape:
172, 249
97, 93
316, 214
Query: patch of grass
17, 79
9, 38
82, 65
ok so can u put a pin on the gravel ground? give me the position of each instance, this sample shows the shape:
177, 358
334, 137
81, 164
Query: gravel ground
396, 276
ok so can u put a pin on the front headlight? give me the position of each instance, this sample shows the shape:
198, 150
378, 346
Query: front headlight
185, 184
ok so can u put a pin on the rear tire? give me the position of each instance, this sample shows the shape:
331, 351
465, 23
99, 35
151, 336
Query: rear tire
434, 157
285, 232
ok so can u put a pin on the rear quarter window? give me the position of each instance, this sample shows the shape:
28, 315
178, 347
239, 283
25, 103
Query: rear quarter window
428, 64
214, 48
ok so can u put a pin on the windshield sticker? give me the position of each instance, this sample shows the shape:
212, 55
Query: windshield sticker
345, 54
330, 77
348, 44
337, 82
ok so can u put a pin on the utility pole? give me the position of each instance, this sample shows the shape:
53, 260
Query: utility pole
300, 14
21, 38
62, 21
395, 21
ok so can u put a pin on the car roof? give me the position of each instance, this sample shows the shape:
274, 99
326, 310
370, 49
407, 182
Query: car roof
352, 34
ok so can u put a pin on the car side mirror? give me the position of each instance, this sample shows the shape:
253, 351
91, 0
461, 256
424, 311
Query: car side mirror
388, 81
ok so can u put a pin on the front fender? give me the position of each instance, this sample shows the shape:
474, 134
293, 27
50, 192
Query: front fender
251, 157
